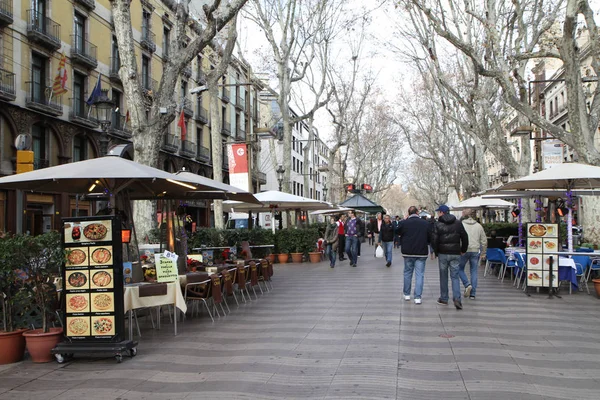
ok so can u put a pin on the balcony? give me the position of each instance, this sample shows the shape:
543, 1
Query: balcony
89, 4
187, 72
201, 114
200, 77
83, 52
261, 177
113, 71
225, 95
41, 99
203, 154
6, 12
240, 134
118, 127
188, 107
150, 86
171, 143
7, 85
43, 31
188, 149
240, 103
39, 163
81, 114
226, 128
148, 41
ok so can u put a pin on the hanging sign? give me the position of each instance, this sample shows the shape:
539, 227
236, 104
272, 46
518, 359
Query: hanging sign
238, 165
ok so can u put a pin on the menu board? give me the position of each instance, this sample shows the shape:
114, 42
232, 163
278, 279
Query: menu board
542, 247
93, 279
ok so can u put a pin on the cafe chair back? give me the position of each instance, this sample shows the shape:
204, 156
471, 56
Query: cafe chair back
242, 274
198, 290
582, 264
252, 278
217, 293
494, 257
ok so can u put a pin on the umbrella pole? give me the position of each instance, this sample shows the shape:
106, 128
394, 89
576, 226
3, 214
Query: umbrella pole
272, 221
570, 220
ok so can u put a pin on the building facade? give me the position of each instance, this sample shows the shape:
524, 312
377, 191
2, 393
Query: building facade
35, 34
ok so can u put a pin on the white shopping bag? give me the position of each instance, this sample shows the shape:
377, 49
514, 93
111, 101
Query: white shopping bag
379, 252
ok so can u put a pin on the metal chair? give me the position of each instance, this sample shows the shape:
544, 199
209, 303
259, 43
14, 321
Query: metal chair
594, 266
582, 264
198, 289
521, 268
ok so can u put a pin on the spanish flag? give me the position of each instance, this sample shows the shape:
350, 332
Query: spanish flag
60, 82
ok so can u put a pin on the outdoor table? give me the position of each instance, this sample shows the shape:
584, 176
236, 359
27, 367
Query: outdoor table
196, 249
132, 300
567, 271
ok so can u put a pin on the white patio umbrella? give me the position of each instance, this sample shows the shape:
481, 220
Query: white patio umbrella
274, 199
567, 177
337, 210
482, 202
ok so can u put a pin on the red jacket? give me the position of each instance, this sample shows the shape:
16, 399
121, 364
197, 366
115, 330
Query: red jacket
340, 228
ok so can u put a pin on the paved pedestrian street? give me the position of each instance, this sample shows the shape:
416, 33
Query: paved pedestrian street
347, 333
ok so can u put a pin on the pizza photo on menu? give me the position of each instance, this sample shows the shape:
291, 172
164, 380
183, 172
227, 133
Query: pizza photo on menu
103, 326
77, 303
77, 279
95, 231
78, 326
101, 255
102, 302
102, 279
76, 256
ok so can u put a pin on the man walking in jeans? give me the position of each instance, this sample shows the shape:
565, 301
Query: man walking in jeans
414, 234
477, 246
352, 227
450, 241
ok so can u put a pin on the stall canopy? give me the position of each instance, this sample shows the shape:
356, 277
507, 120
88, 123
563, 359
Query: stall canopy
115, 175
221, 190
360, 202
333, 211
567, 176
482, 202
273, 199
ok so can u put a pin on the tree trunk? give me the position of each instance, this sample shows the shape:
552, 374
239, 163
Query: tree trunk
217, 149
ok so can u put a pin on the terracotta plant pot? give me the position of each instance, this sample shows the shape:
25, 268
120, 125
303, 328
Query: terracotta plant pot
296, 257
271, 258
597, 286
39, 343
12, 346
315, 256
282, 258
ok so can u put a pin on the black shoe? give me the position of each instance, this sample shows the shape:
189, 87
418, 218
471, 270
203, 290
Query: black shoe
388, 264
442, 302
331, 265
354, 265
458, 304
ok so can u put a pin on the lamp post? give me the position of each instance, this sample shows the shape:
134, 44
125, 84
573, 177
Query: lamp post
280, 174
104, 110
504, 176
325, 190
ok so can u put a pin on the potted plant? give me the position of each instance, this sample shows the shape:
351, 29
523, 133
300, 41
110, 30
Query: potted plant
597, 286
282, 245
14, 299
297, 245
42, 264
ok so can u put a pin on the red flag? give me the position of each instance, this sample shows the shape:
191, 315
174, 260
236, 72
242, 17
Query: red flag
181, 124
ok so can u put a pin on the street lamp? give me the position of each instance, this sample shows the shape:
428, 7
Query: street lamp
325, 190
280, 174
104, 111
504, 176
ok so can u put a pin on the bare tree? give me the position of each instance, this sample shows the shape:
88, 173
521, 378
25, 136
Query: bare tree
512, 35
149, 125
297, 32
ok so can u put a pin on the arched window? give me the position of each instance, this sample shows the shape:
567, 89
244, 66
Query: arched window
79, 148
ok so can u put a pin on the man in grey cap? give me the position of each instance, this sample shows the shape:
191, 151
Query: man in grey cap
450, 241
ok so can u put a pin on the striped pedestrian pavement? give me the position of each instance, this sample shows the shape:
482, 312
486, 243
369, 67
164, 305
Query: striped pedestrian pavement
346, 333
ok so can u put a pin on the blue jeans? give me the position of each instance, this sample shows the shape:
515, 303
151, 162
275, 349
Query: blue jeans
449, 262
388, 247
330, 254
352, 249
416, 264
473, 259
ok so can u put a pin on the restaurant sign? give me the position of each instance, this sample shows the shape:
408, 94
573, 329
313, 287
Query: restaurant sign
542, 257
166, 267
552, 153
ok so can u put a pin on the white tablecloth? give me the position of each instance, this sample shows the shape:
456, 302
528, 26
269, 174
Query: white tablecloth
173, 296
562, 261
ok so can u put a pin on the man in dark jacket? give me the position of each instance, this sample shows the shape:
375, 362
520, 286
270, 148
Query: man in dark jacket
415, 235
386, 238
450, 241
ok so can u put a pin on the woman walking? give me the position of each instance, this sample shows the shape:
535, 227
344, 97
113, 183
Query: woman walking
331, 241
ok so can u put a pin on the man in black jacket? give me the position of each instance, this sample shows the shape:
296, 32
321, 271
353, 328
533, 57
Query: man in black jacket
450, 241
415, 235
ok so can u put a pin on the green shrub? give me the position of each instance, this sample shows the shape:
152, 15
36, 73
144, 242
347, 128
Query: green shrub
503, 229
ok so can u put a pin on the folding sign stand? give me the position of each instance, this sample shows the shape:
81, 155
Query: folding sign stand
542, 257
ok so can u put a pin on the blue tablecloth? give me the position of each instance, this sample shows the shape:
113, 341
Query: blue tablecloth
567, 273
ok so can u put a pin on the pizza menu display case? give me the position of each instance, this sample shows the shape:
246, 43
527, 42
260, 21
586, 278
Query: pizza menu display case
93, 288
542, 255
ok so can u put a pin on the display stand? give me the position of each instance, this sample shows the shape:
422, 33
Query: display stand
542, 257
93, 310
